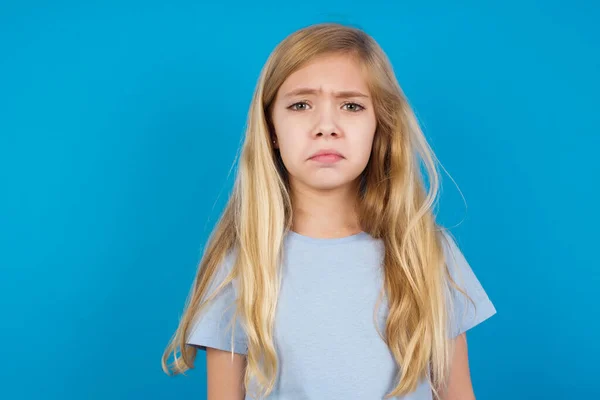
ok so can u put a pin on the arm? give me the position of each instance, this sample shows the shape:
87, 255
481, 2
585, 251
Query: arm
459, 384
225, 376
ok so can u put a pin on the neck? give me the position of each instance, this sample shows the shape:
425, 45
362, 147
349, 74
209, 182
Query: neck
325, 213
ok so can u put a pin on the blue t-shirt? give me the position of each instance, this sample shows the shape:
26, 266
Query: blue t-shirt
324, 331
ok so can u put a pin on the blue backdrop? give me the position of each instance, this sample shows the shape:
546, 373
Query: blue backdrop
119, 124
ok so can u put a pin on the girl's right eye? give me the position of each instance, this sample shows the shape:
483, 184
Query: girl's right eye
300, 106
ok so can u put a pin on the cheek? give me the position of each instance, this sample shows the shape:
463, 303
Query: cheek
362, 135
291, 135
364, 151
290, 141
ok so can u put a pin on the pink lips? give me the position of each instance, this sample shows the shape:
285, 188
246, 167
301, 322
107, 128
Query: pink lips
327, 156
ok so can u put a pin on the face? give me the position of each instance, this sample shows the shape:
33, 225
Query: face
324, 107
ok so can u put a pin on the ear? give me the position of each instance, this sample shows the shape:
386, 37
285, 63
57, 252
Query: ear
274, 141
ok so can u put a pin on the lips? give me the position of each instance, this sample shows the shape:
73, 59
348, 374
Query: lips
329, 153
326, 156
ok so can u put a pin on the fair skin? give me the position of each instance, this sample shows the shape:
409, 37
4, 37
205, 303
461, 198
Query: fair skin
324, 105
460, 386
224, 376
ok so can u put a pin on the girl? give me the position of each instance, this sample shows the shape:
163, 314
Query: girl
327, 276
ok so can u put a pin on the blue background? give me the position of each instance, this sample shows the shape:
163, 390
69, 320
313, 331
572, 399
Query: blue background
119, 123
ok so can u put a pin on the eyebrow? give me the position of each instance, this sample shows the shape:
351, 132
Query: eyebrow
344, 94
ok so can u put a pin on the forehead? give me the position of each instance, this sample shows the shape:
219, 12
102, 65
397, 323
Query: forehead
335, 72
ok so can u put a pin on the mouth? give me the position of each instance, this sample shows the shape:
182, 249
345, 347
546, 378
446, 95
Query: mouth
326, 156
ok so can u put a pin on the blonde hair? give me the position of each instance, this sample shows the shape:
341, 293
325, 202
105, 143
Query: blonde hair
394, 206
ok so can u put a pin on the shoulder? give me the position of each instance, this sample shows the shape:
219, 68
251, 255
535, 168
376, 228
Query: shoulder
454, 259
448, 242
226, 263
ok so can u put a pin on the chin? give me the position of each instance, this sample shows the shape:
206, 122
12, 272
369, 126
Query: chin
329, 185
325, 181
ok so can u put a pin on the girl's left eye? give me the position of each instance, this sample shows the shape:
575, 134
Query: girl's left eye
354, 107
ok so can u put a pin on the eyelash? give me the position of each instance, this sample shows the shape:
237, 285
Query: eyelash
361, 108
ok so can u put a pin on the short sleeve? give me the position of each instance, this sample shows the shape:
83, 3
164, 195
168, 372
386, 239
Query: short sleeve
213, 327
464, 315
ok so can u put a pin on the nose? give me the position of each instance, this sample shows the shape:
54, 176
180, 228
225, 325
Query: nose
327, 124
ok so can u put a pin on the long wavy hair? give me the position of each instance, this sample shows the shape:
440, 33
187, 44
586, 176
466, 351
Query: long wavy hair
394, 206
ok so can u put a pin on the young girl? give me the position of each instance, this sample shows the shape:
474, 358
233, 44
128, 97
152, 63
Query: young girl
327, 276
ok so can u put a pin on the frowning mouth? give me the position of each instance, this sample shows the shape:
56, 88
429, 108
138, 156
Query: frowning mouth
327, 156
